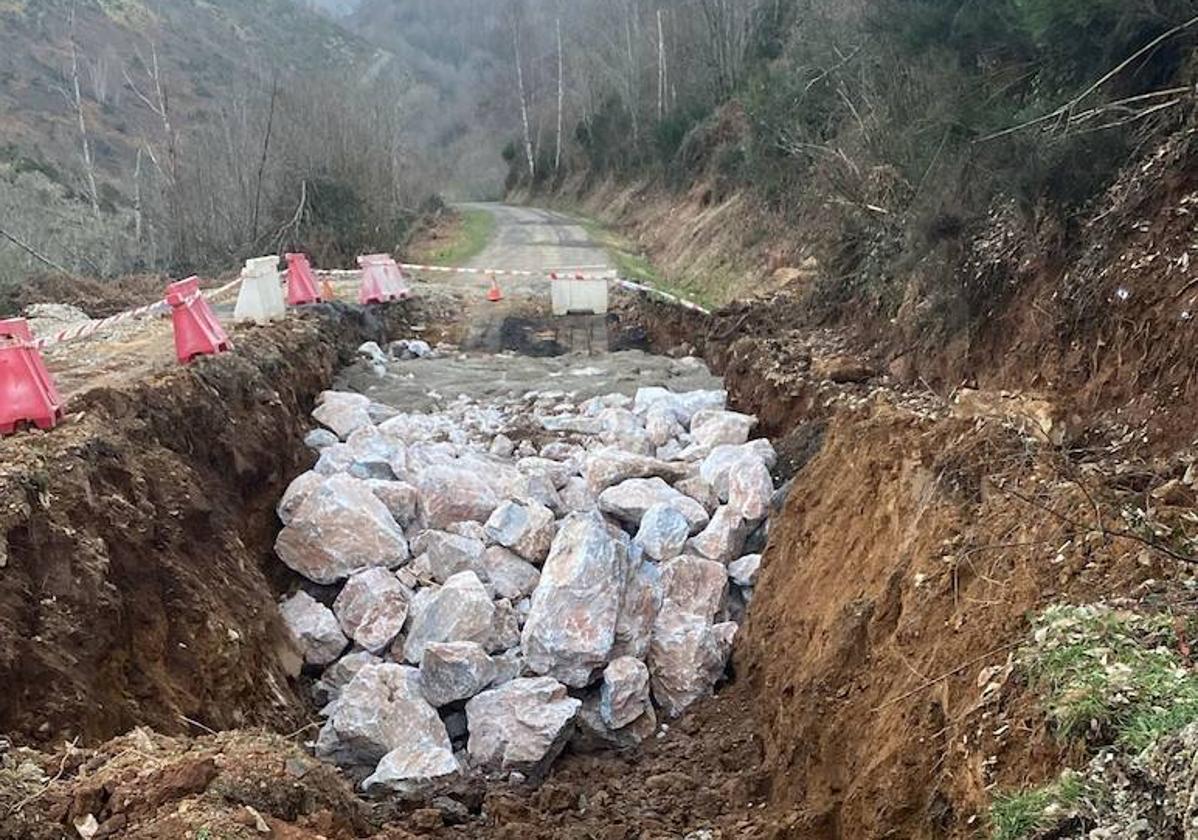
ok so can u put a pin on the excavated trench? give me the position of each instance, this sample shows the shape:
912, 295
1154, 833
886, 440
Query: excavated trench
139, 591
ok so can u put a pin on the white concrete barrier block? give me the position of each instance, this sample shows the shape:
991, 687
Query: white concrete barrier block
261, 297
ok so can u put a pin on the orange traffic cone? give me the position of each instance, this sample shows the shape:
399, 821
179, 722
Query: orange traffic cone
494, 295
326, 290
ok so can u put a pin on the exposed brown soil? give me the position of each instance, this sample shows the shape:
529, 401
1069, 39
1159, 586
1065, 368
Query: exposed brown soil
135, 539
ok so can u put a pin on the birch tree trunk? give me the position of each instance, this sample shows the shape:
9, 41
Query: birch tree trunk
528, 152
89, 167
561, 97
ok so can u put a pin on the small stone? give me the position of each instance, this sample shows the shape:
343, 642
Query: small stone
502, 446
315, 628
337, 676
624, 695
743, 572
319, 438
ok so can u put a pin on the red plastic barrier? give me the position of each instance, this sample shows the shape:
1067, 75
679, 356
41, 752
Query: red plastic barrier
197, 332
301, 285
27, 391
382, 280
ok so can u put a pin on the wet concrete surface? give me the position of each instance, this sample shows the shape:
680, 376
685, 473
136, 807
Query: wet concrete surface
425, 384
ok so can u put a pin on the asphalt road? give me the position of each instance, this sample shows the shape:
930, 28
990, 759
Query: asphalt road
533, 239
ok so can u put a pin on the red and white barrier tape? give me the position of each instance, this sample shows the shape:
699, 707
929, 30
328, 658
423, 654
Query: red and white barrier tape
649, 290
86, 328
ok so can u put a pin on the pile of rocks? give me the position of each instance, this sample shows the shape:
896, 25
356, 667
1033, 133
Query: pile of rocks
479, 603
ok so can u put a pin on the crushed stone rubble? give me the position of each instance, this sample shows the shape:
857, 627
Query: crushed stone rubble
493, 582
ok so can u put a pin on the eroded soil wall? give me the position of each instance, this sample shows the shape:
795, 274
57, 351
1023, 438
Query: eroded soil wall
134, 540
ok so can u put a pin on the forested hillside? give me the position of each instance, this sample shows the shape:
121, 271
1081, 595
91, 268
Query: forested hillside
182, 136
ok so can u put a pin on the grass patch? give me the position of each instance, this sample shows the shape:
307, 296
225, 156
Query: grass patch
633, 265
1015, 816
1111, 677
468, 235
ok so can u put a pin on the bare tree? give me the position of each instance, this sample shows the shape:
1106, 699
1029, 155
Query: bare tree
561, 95
74, 97
516, 18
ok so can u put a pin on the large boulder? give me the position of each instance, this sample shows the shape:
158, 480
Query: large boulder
684, 405
750, 489
663, 532
380, 710
509, 575
521, 725
315, 628
724, 537
700, 491
527, 528
638, 609
297, 493
577, 497
341, 528
687, 658
450, 493
459, 611
372, 608
447, 554
338, 675
718, 465
631, 499
341, 412
374, 454
453, 671
571, 625
609, 466
712, 427
400, 498
624, 695
695, 586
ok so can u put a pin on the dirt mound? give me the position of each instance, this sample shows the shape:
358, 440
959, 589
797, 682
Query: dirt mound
134, 541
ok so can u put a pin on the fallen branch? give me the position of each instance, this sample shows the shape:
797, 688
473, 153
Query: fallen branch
33, 253
946, 675
62, 768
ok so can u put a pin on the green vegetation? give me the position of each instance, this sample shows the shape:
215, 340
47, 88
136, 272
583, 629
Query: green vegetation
1111, 677
1019, 815
471, 233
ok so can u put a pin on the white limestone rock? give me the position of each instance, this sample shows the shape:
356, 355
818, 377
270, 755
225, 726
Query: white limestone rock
453, 671
448, 554
631, 499
341, 528
743, 572
663, 532
342, 413
750, 489
400, 498
712, 428
372, 608
624, 695
315, 628
526, 528
687, 658
459, 611
695, 586
571, 625
509, 575
297, 493
452, 493
521, 725
724, 537
381, 709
